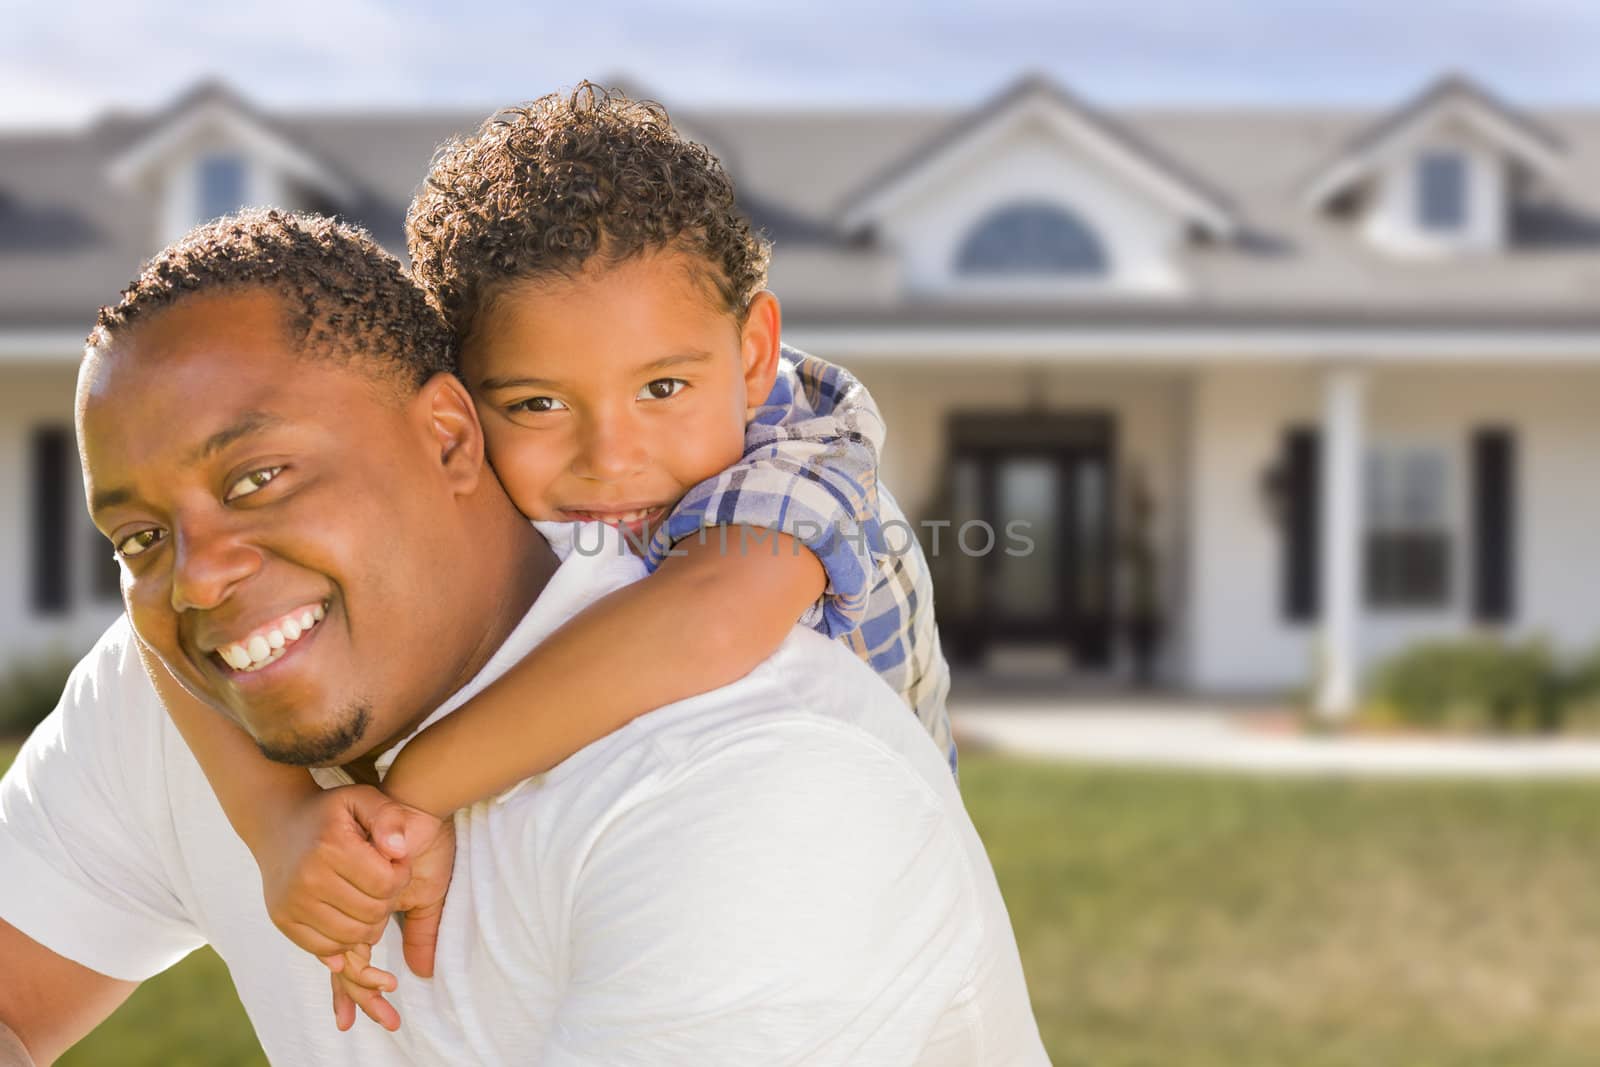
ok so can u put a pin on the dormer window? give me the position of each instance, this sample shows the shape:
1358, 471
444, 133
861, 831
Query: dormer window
1442, 192
219, 186
1034, 240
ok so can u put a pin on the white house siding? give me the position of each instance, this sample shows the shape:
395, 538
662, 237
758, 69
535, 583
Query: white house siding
32, 395
1149, 405
1237, 638
1240, 639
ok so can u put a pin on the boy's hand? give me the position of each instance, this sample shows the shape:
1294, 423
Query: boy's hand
428, 845
356, 983
328, 887
404, 834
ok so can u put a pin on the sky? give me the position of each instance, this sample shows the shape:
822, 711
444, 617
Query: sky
62, 62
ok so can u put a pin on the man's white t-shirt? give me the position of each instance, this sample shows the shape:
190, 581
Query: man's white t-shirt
779, 871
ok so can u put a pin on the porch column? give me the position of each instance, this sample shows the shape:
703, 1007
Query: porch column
1343, 432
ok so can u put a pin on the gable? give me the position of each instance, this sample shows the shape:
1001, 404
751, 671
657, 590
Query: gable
1089, 224
1044, 107
212, 150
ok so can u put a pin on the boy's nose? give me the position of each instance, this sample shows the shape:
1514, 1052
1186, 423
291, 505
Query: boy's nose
609, 452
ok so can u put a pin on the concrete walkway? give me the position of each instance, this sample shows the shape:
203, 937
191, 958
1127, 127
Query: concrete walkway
1151, 734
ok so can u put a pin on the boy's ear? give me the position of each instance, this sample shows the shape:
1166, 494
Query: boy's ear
454, 435
759, 342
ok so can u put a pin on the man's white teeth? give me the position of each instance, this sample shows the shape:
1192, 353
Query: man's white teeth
264, 648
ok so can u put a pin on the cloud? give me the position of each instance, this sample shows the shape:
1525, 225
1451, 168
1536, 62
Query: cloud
70, 58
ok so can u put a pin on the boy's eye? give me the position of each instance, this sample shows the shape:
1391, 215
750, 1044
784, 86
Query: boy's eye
136, 544
662, 389
251, 482
537, 405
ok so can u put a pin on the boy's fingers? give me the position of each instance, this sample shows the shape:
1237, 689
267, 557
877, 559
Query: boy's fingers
419, 938
344, 1008
383, 820
371, 1002
357, 862
347, 899
312, 940
334, 962
373, 978
343, 930
388, 830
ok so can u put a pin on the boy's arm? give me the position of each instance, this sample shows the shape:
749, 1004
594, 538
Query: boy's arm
704, 619
253, 790
326, 886
707, 616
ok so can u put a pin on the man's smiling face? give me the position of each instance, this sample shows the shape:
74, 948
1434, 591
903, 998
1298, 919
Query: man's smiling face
283, 525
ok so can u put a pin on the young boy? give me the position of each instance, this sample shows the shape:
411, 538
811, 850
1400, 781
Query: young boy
626, 365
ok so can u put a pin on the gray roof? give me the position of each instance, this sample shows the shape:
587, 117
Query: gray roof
69, 240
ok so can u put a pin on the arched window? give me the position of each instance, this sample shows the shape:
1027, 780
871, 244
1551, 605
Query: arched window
1031, 239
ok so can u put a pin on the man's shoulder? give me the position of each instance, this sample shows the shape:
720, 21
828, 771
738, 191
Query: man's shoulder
811, 708
110, 680
109, 714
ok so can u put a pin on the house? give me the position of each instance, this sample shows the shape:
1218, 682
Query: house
1276, 393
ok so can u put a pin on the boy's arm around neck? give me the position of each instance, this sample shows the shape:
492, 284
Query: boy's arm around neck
253, 791
704, 619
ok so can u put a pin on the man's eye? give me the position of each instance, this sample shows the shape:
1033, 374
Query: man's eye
537, 405
662, 389
251, 482
136, 544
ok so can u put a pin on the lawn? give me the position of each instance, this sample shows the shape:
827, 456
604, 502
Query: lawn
1202, 921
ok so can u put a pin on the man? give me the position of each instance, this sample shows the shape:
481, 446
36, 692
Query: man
778, 871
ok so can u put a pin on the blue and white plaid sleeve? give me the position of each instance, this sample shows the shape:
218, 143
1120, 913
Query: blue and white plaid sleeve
809, 470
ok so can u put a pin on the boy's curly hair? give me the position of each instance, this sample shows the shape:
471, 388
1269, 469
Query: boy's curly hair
345, 298
542, 187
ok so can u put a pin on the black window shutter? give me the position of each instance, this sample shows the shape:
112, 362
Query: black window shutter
105, 572
51, 464
1302, 523
1494, 516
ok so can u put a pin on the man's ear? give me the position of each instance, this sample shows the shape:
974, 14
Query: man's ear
759, 341
450, 421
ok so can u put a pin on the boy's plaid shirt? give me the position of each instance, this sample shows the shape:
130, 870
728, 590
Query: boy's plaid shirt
810, 470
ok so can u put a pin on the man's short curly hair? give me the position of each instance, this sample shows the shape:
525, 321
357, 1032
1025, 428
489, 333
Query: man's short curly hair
345, 298
543, 187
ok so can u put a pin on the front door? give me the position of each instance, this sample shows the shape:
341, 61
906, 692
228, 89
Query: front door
1028, 558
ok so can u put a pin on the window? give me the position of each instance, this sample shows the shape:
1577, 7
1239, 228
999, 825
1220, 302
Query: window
105, 573
1408, 528
220, 181
1442, 191
1031, 239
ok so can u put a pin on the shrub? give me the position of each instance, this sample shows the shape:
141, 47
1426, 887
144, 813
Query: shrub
29, 691
1474, 684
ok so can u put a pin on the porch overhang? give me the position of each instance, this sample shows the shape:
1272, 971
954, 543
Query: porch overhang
1166, 345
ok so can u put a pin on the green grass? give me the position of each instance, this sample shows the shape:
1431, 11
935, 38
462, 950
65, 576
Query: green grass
1201, 920
1211, 921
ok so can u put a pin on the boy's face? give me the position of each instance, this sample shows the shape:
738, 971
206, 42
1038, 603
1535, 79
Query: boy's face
608, 395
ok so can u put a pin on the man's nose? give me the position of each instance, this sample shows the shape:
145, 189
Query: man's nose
610, 450
208, 564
